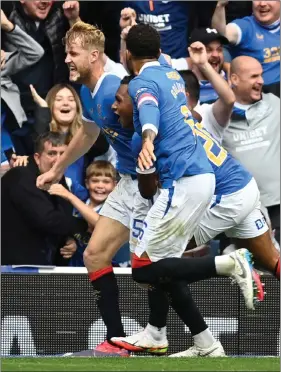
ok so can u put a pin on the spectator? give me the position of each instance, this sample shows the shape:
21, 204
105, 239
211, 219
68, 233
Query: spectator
213, 42
216, 116
253, 135
27, 52
46, 23
37, 225
173, 20
62, 112
100, 181
257, 36
234, 10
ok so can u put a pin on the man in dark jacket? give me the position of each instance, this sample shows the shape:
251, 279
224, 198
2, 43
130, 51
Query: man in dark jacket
47, 23
36, 225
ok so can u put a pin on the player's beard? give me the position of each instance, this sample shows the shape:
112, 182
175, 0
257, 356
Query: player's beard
80, 76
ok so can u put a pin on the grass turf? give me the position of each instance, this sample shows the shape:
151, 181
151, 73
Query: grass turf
140, 364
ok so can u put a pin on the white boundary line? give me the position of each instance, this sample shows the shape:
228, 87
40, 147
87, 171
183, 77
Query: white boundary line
80, 270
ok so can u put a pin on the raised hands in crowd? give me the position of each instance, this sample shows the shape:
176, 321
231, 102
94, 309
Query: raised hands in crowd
71, 10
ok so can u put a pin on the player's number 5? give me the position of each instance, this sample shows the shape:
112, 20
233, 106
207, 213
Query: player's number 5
209, 143
138, 226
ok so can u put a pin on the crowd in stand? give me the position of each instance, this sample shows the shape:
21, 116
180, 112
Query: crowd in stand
41, 110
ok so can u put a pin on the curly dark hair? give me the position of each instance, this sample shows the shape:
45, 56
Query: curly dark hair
126, 80
143, 42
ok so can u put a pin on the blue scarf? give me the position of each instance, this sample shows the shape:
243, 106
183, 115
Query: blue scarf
239, 112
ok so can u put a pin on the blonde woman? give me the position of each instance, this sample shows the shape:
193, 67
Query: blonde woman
64, 108
65, 115
61, 111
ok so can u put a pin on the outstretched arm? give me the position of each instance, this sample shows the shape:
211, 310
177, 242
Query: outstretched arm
222, 108
230, 31
85, 210
26, 50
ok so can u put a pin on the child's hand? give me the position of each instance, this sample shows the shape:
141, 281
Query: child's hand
59, 190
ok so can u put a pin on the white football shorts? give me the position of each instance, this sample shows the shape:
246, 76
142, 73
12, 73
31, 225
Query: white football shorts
172, 219
120, 202
238, 215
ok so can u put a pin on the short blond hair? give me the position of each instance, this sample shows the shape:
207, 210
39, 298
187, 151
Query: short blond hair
101, 168
88, 35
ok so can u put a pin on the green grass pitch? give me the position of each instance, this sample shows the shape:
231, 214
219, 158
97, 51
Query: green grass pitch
140, 364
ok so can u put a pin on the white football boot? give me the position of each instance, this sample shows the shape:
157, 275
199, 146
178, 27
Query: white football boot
216, 350
247, 278
142, 342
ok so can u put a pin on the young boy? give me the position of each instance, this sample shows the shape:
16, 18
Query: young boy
100, 181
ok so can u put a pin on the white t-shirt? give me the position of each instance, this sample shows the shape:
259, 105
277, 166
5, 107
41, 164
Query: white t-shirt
115, 68
209, 121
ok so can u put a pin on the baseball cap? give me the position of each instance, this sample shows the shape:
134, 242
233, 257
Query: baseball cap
206, 36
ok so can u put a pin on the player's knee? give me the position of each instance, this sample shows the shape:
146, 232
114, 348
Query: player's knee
144, 276
92, 255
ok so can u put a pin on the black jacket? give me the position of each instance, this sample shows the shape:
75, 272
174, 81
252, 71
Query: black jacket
52, 65
34, 224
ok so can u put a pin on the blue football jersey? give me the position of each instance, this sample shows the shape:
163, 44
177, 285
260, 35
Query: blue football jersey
262, 43
136, 145
159, 100
231, 176
97, 108
207, 92
170, 19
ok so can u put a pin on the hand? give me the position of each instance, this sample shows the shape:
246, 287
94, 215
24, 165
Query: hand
3, 59
45, 180
71, 11
68, 250
36, 98
59, 190
6, 25
146, 156
125, 32
222, 3
127, 18
198, 53
18, 161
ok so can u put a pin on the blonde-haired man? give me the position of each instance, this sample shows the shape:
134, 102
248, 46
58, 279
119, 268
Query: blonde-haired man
85, 51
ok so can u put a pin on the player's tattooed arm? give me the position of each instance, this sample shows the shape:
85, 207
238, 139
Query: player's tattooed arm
148, 134
146, 156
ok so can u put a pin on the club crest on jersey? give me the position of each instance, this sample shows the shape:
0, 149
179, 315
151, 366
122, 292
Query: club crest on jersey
259, 36
173, 75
